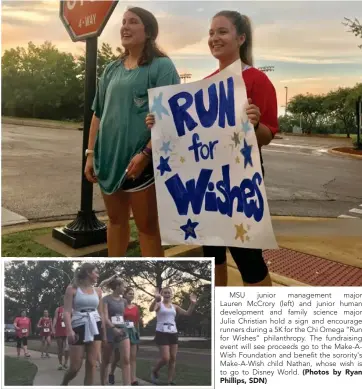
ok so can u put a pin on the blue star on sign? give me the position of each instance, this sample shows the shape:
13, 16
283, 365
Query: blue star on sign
166, 147
189, 229
164, 166
157, 106
246, 152
246, 126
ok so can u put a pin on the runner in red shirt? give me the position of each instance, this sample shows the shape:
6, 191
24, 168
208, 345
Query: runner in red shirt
132, 319
60, 333
45, 325
230, 40
22, 325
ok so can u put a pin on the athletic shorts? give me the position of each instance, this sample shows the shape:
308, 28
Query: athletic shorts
80, 334
21, 341
146, 179
166, 338
64, 339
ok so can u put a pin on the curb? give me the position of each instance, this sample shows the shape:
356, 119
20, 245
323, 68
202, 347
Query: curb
40, 124
340, 153
35, 225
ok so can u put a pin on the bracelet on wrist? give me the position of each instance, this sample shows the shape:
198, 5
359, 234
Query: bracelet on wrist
147, 151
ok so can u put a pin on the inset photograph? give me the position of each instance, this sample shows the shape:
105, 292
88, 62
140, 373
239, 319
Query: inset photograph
127, 322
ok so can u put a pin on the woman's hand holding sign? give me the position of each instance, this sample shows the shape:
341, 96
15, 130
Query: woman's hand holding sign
253, 113
150, 121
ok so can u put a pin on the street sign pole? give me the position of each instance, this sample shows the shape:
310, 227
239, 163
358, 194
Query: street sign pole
359, 122
86, 229
85, 21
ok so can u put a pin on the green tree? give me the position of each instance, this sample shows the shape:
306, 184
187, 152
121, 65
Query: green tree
338, 106
34, 286
40, 82
355, 27
311, 107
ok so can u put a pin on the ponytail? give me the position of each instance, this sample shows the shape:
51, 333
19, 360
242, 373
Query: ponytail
246, 49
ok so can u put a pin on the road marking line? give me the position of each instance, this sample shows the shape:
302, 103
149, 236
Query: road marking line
347, 217
356, 210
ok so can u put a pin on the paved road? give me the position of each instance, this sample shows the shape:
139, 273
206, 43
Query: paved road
41, 171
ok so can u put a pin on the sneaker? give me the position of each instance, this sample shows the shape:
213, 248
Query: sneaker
47, 355
111, 379
27, 355
172, 383
60, 367
154, 378
42, 355
134, 383
65, 366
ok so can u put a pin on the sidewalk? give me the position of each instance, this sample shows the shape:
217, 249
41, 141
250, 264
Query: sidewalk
48, 375
312, 251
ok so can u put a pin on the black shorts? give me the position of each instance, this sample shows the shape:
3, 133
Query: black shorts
20, 341
80, 334
146, 179
166, 338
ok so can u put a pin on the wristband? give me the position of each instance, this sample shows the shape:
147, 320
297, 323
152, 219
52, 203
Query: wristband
147, 151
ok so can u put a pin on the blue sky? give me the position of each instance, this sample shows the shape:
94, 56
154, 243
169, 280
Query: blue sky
305, 41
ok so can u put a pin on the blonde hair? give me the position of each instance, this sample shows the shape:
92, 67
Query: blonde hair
243, 26
82, 272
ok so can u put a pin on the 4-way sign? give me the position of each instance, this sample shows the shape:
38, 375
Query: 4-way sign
85, 19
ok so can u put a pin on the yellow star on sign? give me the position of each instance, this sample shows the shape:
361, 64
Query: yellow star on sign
182, 159
240, 232
237, 160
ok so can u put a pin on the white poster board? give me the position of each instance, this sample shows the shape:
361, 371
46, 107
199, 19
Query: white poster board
209, 183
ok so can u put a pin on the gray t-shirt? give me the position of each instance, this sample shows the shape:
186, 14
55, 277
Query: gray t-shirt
115, 309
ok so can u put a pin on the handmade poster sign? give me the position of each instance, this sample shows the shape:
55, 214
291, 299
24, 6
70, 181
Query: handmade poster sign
209, 184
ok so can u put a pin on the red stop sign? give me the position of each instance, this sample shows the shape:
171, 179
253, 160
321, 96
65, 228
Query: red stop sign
85, 19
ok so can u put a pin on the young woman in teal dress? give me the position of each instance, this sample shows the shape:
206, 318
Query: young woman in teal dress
119, 154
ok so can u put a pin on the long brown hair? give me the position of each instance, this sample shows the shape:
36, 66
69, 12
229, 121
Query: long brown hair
82, 273
243, 26
150, 49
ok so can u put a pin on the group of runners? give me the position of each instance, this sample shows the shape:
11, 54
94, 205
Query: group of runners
104, 328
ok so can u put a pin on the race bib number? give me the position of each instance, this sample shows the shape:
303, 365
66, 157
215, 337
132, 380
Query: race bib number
129, 324
117, 320
168, 328
62, 324
24, 330
46, 329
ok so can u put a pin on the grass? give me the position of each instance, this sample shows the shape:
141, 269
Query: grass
19, 372
22, 244
186, 375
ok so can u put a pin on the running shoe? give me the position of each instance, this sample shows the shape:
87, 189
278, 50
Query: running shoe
134, 383
47, 355
172, 383
60, 367
154, 378
65, 366
42, 355
27, 355
111, 379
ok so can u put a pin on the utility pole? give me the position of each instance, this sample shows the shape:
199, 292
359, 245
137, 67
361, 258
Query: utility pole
185, 76
286, 100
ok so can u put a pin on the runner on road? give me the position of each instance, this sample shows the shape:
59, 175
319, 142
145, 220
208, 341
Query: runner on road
61, 336
83, 317
22, 325
132, 320
166, 331
45, 325
117, 344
